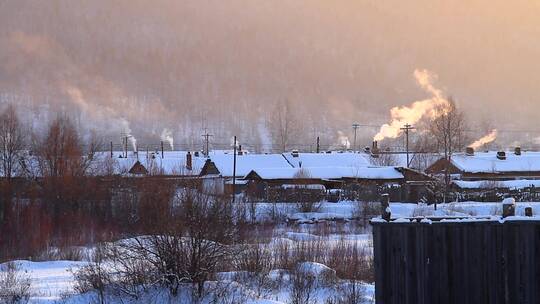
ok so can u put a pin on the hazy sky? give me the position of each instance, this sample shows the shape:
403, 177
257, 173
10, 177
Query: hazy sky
176, 64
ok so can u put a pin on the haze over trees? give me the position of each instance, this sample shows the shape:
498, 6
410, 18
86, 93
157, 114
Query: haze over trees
189, 65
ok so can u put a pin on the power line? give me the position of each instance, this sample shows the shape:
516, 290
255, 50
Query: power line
207, 136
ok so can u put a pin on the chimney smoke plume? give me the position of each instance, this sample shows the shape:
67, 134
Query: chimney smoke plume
492, 136
418, 110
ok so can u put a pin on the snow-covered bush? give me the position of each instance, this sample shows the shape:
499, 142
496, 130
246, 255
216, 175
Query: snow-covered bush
14, 285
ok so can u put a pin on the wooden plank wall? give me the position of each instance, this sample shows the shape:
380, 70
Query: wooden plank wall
465, 262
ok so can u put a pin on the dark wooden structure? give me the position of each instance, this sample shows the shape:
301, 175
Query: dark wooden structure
462, 261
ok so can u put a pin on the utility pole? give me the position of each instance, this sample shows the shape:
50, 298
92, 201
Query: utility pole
125, 146
125, 140
207, 136
407, 128
234, 172
355, 127
318, 144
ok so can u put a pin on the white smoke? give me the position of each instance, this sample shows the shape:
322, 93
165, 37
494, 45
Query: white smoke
264, 135
104, 116
234, 143
418, 110
492, 136
167, 136
343, 140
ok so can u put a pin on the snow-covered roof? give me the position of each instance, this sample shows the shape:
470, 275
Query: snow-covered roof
487, 162
385, 173
246, 163
172, 162
509, 184
334, 159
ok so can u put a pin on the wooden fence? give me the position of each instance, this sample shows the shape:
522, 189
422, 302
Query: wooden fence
484, 261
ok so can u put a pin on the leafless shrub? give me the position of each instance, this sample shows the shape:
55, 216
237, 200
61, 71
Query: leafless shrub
422, 210
225, 293
351, 261
282, 255
306, 198
386, 159
94, 277
303, 285
66, 253
364, 211
14, 285
256, 260
252, 209
277, 212
348, 293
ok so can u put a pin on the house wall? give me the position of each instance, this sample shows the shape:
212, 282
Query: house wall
215, 185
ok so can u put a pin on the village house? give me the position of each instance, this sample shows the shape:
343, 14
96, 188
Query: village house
365, 182
490, 166
490, 175
218, 170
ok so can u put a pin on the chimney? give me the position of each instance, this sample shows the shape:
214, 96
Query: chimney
517, 151
189, 161
469, 151
162, 150
501, 155
375, 149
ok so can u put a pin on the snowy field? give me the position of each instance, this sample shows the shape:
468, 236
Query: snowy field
53, 282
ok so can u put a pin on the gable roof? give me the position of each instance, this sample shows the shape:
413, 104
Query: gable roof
138, 169
245, 163
487, 162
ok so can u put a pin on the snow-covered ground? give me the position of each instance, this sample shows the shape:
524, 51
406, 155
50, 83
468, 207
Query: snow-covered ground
52, 281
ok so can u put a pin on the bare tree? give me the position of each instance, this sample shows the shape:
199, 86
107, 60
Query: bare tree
61, 152
386, 159
283, 125
64, 166
447, 129
307, 199
186, 247
12, 140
